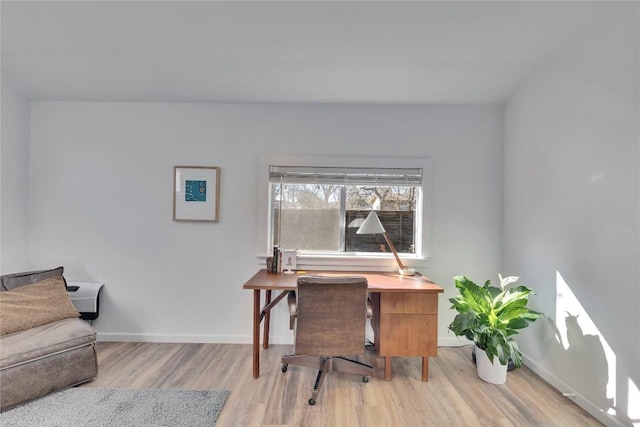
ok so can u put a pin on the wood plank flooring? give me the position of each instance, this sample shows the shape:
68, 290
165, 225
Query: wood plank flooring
453, 396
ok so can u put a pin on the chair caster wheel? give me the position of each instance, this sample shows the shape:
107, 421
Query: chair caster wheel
365, 379
312, 401
284, 367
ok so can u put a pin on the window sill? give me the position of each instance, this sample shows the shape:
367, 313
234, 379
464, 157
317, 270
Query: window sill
369, 262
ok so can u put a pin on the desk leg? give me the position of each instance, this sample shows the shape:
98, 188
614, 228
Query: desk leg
256, 333
267, 318
387, 368
425, 369
377, 338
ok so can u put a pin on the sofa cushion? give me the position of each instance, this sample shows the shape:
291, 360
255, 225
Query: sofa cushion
12, 281
33, 305
42, 341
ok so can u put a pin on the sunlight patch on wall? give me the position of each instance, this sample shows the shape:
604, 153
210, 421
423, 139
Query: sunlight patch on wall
569, 311
632, 404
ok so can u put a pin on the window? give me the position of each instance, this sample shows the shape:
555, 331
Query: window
318, 209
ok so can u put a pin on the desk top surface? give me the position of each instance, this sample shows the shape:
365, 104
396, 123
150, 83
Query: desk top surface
379, 281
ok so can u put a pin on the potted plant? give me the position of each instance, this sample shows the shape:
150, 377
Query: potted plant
490, 317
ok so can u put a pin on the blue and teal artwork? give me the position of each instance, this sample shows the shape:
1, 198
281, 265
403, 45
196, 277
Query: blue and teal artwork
195, 191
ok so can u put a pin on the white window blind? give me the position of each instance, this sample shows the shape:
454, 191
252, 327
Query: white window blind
345, 175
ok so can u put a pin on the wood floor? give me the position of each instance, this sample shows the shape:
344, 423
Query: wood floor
453, 396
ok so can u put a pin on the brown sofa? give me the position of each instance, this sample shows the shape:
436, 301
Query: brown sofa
44, 346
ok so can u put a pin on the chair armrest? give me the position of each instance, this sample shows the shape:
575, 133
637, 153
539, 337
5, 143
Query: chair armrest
293, 304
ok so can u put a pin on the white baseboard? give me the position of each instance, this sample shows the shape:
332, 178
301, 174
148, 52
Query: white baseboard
181, 338
453, 342
575, 396
231, 339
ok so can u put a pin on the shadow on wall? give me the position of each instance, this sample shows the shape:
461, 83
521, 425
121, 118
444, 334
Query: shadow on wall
584, 359
587, 364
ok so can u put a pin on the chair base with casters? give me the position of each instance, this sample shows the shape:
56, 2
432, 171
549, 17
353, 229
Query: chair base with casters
329, 315
326, 365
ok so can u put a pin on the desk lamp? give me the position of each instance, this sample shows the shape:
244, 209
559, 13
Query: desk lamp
372, 225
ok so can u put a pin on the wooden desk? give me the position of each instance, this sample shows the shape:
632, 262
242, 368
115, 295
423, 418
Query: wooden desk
405, 312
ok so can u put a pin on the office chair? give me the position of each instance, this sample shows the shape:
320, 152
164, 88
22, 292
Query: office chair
330, 321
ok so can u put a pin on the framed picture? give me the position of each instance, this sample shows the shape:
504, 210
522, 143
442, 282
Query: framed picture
196, 193
288, 261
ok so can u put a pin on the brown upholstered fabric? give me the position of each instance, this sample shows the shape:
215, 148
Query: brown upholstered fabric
328, 323
37, 304
292, 301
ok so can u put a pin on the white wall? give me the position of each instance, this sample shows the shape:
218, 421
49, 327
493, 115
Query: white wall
14, 179
571, 216
101, 201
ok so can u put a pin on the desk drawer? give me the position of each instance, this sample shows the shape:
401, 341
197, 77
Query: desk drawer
409, 335
409, 303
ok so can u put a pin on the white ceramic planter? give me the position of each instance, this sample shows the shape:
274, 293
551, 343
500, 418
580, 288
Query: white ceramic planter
494, 373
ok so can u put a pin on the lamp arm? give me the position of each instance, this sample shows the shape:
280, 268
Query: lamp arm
393, 249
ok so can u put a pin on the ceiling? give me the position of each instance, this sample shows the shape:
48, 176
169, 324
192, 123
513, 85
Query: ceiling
444, 52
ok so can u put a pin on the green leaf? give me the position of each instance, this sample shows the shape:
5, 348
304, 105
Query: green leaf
520, 323
516, 356
471, 296
493, 292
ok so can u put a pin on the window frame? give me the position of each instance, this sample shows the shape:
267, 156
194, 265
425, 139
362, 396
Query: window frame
365, 260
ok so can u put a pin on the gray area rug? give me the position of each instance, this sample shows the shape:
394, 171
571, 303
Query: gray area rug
84, 406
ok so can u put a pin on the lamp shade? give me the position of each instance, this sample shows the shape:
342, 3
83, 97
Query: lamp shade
371, 225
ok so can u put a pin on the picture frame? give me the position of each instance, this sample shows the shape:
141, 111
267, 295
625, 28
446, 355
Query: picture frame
289, 260
196, 193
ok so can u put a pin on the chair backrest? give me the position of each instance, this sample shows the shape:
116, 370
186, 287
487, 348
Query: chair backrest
331, 315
